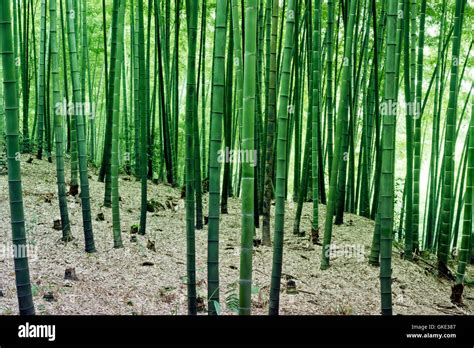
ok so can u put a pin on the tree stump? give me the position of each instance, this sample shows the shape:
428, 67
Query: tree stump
70, 274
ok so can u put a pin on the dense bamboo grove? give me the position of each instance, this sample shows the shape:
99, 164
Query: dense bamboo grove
363, 106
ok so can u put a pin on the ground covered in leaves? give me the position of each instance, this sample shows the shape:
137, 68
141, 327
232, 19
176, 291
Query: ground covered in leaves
148, 276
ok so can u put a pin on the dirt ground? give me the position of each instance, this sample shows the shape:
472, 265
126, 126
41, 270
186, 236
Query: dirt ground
139, 280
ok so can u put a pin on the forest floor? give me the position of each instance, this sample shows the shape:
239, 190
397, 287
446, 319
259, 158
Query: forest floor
139, 280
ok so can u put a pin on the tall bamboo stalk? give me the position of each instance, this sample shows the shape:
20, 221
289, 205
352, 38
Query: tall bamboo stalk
20, 247
281, 167
191, 14
248, 146
79, 123
215, 152
448, 156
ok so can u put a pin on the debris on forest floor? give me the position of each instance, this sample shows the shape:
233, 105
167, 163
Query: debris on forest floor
144, 278
201, 306
151, 246
49, 296
134, 229
153, 205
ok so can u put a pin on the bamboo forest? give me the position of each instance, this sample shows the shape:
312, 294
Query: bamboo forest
236, 157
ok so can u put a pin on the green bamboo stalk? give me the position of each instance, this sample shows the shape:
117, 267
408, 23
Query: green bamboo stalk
341, 121
263, 162
191, 15
229, 109
378, 28
17, 216
386, 202
165, 108
271, 129
79, 123
47, 106
114, 167
304, 182
330, 81
417, 135
58, 121
364, 193
215, 151
134, 82
466, 238
87, 71
35, 73
432, 200
303, 188
202, 65
41, 79
66, 94
296, 102
143, 117
408, 89
282, 139
126, 121
316, 117
16, 43
2, 118
458, 192
105, 168
176, 91
258, 119
248, 146
448, 156
25, 77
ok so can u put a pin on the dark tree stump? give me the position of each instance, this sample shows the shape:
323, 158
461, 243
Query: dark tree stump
291, 287
456, 294
70, 274
74, 190
151, 245
444, 272
57, 225
201, 305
